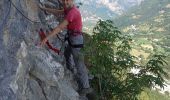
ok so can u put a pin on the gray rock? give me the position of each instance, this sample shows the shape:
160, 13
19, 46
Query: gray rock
29, 72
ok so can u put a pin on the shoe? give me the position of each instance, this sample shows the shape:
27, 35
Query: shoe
85, 91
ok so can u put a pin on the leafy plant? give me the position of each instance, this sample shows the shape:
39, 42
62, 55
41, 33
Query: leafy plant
111, 64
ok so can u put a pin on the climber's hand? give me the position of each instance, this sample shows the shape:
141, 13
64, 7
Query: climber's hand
43, 42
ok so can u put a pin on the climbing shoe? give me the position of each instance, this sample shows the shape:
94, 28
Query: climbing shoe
85, 91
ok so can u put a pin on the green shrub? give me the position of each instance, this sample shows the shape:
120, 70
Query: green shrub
111, 62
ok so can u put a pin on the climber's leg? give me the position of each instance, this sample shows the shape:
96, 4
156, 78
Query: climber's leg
82, 74
69, 59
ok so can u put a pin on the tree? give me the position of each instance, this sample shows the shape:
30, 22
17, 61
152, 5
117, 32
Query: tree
111, 61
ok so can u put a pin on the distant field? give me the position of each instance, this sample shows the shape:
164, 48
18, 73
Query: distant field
137, 53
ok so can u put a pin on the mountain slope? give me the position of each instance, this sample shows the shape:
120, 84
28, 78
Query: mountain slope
93, 10
152, 22
146, 11
149, 26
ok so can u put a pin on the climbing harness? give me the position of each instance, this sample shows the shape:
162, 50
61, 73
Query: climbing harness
57, 50
73, 33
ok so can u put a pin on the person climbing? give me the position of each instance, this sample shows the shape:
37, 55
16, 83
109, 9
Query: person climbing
73, 23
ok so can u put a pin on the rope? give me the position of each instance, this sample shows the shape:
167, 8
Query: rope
23, 14
42, 36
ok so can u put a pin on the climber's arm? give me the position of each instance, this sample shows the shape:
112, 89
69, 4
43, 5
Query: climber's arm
56, 12
55, 31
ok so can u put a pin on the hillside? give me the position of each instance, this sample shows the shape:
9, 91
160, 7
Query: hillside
149, 26
93, 10
151, 19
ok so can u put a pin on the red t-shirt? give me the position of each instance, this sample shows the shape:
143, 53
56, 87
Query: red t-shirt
73, 16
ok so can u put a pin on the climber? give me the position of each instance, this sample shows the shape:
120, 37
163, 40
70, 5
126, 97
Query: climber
73, 23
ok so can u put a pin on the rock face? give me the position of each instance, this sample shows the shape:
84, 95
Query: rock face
29, 72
